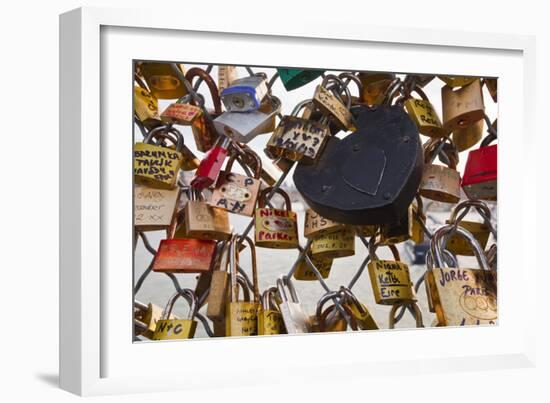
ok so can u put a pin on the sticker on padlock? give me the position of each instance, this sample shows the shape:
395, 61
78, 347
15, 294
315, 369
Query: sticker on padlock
275, 228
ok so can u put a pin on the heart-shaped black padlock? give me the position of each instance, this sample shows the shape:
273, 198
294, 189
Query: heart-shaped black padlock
369, 177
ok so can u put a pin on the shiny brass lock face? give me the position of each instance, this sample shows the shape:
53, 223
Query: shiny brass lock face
469, 136
304, 273
162, 80
457, 81
425, 117
374, 86
316, 225
203, 221
270, 320
146, 108
459, 246
329, 104
334, 244
462, 107
275, 228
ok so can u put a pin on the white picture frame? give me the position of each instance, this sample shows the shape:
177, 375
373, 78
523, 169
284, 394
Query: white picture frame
97, 355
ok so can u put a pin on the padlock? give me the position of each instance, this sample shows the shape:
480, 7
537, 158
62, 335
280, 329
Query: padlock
481, 231
491, 84
245, 94
329, 104
439, 182
241, 317
374, 86
462, 107
316, 225
270, 320
305, 273
480, 172
399, 231
424, 115
333, 245
146, 318
163, 81
298, 139
154, 208
275, 228
296, 78
209, 168
183, 255
204, 132
417, 313
226, 75
217, 296
146, 108
371, 176
245, 126
156, 166
418, 222
177, 329
367, 230
181, 112
236, 193
457, 81
190, 162
461, 297
203, 221
294, 317
469, 136
331, 319
268, 172
358, 311
390, 279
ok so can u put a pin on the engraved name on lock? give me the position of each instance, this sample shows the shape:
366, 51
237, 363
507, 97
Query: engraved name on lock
327, 102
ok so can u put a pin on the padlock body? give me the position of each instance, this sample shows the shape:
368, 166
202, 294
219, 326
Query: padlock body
304, 273
245, 94
391, 282
457, 81
399, 231
241, 319
463, 297
209, 168
235, 193
184, 256
364, 319
440, 183
162, 81
329, 104
156, 166
296, 78
468, 137
298, 139
374, 86
425, 117
316, 225
204, 134
462, 107
217, 295
181, 114
270, 322
175, 329
459, 246
146, 108
480, 173
154, 208
244, 127
203, 221
275, 228
334, 245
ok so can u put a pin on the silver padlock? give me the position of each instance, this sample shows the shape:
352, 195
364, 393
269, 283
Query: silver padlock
245, 126
294, 318
245, 94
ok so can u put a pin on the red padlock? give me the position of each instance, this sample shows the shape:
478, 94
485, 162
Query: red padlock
480, 174
211, 165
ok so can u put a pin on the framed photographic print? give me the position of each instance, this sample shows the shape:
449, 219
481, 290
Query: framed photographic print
229, 193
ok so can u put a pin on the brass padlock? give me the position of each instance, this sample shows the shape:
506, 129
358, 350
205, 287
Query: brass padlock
154, 208
462, 107
418, 222
203, 221
146, 108
374, 86
457, 81
316, 225
294, 317
367, 230
331, 319
424, 115
417, 313
461, 297
176, 329
226, 75
275, 228
298, 139
217, 296
163, 81
305, 273
241, 317
358, 311
270, 320
156, 166
181, 112
146, 318
390, 279
440, 183
236, 193
481, 231
329, 104
334, 244
469, 136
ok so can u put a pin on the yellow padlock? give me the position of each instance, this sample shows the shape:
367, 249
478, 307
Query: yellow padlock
163, 81
176, 329
334, 245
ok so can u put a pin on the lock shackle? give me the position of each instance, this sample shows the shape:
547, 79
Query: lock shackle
439, 241
349, 295
264, 193
351, 77
330, 295
177, 220
194, 194
283, 282
247, 152
373, 245
299, 106
340, 87
391, 91
443, 148
189, 296
480, 207
207, 78
419, 204
233, 259
162, 133
448, 257
242, 285
323, 315
269, 300
417, 314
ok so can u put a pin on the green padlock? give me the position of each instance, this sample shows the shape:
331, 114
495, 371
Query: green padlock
295, 78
